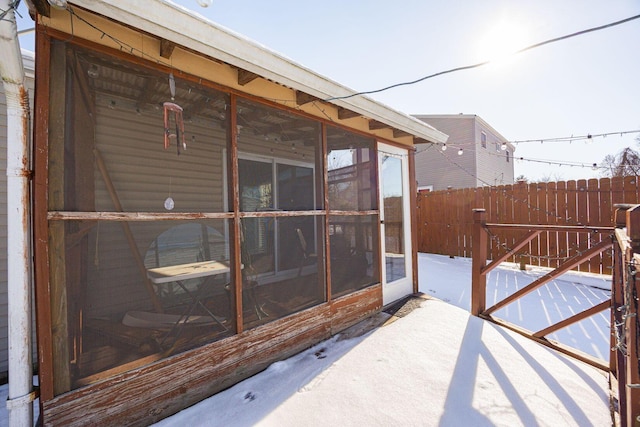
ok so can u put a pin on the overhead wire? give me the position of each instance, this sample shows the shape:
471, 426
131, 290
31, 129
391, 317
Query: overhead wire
480, 64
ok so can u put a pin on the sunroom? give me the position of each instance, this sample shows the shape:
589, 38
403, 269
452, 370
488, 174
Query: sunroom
203, 207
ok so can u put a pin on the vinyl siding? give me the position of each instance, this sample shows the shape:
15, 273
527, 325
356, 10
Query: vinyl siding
444, 169
478, 166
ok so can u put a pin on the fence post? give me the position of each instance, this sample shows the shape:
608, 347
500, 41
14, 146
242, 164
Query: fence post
479, 261
632, 363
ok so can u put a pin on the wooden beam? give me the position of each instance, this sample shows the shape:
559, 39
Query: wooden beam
397, 133
344, 114
304, 98
523, 241
563, 268
246, 77
375, 125
574, 319
41, 7
478, 262
569, 351
166, 48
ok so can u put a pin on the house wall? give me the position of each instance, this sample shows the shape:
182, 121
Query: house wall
444, 169
492, 166
478, 166
4, 366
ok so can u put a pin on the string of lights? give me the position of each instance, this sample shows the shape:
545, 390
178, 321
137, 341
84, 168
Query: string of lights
572, 138
593, 166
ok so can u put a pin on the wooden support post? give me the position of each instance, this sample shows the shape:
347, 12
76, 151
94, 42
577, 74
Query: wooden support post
479, 260
631, 323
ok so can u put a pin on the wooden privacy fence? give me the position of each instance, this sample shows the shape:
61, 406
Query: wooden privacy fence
445, 219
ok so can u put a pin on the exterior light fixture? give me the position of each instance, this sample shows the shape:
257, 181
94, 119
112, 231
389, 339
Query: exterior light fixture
444, 147
594, 166
503, 146
460, 152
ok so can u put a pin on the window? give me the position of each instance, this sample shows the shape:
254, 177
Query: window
483, 139
124, 292
353, 229
507, 155
281, 202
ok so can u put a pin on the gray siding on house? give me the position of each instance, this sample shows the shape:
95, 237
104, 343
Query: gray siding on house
476, 167
443, 169
4, 344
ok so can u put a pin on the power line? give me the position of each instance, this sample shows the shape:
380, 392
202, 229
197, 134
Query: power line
480, 64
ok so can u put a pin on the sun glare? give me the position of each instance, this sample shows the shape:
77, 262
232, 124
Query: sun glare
501, 41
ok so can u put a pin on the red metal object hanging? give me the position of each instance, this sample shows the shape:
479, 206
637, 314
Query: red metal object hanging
172, 109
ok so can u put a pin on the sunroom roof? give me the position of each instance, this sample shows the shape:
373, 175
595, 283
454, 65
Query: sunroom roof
178, 25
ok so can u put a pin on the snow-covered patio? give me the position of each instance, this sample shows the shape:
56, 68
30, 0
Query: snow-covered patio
436, 366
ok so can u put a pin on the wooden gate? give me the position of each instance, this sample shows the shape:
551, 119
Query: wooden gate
624, 364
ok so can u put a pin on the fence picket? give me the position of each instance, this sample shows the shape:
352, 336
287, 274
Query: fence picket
446, 221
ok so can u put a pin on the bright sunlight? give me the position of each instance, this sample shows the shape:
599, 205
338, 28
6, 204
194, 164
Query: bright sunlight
502, 40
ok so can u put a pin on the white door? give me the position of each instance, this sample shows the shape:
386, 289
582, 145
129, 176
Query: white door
395, 223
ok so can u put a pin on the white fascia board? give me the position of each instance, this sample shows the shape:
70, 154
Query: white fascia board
189, 29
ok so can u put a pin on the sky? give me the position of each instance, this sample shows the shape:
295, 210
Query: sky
436, 366
584, 85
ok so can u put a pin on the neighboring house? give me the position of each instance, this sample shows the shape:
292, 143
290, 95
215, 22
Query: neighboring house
483, 162
27, 60
203, 207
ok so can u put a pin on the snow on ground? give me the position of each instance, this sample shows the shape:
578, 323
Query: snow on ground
449, 279
438, 366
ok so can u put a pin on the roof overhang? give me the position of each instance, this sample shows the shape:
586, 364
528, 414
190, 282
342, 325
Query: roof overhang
186, 28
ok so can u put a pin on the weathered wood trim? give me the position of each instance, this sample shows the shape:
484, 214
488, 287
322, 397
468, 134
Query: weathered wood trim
353, 213
245, 77
166, 48
397, 133
413, 214
344, 114
235, 206
304, 98
41, 7
133, 216
40, 224
376, 125
283, 214
325, 198
58, 134
147, 394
